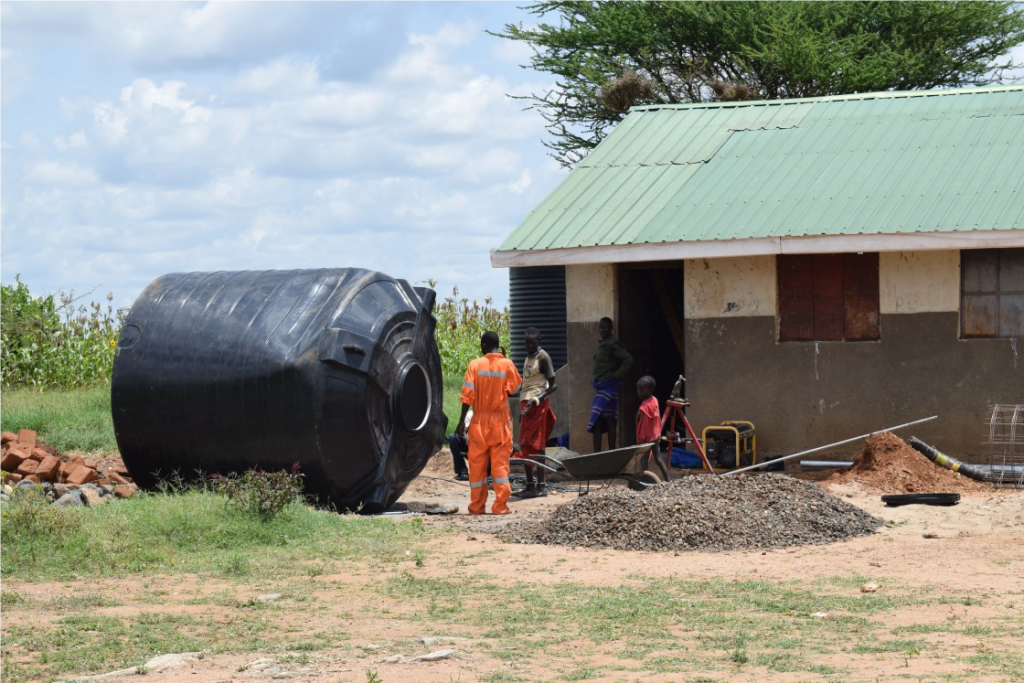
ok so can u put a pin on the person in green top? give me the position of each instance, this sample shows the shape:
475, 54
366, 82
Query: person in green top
611, 362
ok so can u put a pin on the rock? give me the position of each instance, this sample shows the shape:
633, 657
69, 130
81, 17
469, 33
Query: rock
60, 489
262, 665
435, 656
107, 490
168, 662
26, 484
8, 489
441, 509
92, 497
393, 659
820, 615
70, 499
869, 588
125, 491
268, 597
4, 497
433, 640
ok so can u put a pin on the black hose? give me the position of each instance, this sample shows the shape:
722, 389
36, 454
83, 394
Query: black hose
943, 460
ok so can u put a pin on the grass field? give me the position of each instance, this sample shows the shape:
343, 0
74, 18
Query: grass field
74, 420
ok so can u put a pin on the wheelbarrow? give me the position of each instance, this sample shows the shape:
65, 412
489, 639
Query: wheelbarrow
601, 466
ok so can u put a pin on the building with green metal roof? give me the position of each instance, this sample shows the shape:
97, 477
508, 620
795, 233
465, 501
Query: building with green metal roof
822, 267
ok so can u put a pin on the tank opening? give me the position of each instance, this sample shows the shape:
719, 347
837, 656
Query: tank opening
413, 396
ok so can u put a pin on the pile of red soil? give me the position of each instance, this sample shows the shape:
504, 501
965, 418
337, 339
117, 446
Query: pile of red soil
888, 463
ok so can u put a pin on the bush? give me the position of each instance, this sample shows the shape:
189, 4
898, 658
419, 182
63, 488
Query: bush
262, 494
28, 521
460, 323
55, 341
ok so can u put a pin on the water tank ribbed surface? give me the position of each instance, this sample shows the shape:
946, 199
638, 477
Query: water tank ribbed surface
537, 299
336, 370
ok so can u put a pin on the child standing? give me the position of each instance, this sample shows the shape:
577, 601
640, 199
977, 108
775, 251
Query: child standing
536, 417
648, 423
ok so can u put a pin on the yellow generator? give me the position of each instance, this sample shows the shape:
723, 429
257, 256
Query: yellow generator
730, 445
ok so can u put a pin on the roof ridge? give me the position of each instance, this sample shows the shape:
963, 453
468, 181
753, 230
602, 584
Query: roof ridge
885, 94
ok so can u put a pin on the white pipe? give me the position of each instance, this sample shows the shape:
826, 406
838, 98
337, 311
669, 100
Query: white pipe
831, 445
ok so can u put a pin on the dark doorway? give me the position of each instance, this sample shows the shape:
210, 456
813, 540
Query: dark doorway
650, 326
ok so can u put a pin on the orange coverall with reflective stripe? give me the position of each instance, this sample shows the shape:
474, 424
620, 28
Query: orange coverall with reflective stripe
488, 382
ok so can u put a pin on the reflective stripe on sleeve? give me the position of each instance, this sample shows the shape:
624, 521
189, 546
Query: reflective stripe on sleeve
477, 484
500, 480
490, 373
468, 385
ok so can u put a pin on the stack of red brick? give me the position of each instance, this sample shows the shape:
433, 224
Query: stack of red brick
23, 456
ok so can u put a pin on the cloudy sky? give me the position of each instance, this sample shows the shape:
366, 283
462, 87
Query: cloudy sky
146, 138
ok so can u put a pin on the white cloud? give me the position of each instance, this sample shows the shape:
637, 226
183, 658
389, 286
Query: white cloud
417, 170
162, 34
75, 140
16, 75
61, 174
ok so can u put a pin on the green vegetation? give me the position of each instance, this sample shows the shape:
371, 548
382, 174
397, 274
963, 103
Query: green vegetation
194, 531
75, 420
460, 324
258, 493
609, 56
55, 341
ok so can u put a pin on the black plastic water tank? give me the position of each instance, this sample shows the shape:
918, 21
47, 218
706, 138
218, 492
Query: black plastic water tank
336, 370
536, 298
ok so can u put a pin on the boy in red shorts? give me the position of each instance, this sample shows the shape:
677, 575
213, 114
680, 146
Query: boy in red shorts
536, 419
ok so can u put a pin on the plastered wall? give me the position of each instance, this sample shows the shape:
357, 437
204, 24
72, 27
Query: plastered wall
729, 287
591, 293
919, 281
742, 287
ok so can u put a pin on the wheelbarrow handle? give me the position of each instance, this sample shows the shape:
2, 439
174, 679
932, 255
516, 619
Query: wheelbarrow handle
528, 461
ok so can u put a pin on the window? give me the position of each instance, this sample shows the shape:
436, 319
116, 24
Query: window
828, 297
992, 293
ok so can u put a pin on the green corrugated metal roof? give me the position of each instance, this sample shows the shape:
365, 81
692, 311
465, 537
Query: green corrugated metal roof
923, 161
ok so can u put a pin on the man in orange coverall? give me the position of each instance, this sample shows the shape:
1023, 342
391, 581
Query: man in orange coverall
486, 388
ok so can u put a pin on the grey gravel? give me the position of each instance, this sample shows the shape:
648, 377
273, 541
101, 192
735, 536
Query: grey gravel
701, 513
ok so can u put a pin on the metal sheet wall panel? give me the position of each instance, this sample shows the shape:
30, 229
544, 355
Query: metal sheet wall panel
537, 299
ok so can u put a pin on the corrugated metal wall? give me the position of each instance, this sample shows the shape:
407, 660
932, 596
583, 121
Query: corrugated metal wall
537, 299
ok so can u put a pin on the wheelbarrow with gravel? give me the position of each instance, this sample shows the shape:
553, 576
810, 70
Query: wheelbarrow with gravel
601, 466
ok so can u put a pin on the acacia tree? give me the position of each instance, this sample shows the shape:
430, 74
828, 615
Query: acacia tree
610, 56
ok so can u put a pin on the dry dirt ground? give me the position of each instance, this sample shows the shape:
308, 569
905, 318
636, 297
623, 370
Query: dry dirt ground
948, 605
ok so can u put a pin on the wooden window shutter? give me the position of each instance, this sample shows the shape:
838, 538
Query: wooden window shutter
829, 299
860, 276
796, 315
980, 286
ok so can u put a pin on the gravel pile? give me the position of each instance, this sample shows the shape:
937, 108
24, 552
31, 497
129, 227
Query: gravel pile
702, 513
